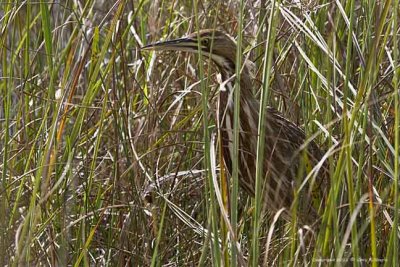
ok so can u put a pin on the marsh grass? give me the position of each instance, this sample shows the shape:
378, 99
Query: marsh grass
110, 155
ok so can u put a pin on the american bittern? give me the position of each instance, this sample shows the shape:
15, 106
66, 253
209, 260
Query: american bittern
286, 146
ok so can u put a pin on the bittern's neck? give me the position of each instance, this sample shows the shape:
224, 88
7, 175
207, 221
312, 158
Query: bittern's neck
249, 106
228, 70
225, 66
247, 99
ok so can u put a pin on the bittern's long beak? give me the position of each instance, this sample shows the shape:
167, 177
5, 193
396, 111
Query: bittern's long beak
181, 44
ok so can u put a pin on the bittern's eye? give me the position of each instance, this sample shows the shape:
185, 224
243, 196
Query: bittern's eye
205, 42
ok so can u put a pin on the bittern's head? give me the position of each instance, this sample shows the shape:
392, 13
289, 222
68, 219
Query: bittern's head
213, 43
